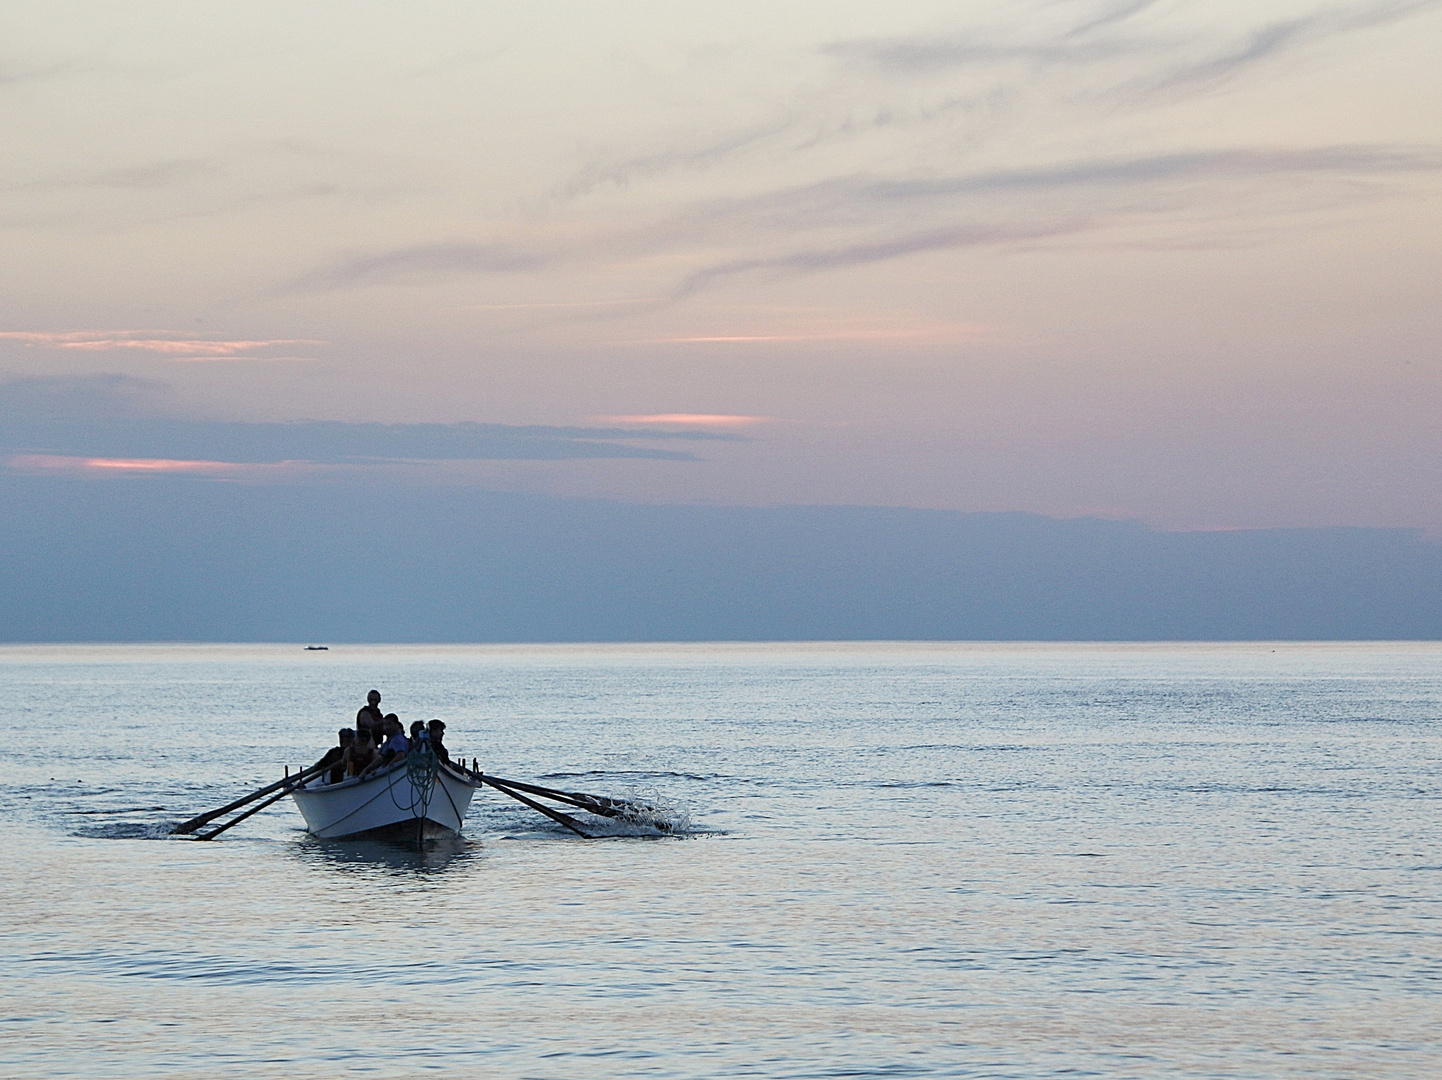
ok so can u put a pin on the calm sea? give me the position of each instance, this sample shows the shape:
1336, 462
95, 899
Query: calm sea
902, 860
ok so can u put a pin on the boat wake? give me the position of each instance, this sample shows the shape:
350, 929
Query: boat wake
125, 830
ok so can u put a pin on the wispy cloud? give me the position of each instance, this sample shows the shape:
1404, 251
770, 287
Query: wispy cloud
1100, 36
421, 262
1118, 50
881, 333
1110, 16
1106, 192
927, 55
145, 176
814, 260
855, 199
889, 217
324, 441
1273, 39
117, 186
695, 155
564, 305
889, 146
687, 420
13, 74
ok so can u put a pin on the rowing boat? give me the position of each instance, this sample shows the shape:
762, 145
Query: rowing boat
417, 797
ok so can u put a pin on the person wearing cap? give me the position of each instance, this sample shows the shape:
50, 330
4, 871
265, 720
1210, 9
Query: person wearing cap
437, 731
370, 716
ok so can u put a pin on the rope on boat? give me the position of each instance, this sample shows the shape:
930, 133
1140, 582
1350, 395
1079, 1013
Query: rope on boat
422, 769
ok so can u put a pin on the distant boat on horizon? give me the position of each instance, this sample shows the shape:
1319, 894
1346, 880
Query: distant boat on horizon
317, 648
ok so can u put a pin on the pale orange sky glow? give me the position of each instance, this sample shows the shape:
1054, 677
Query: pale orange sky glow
1179, 261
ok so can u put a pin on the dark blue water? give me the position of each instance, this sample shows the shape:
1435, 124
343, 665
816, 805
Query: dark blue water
903, 860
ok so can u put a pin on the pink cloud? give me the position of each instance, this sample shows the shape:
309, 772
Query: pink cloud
687, 420
100, 466
54, 463
172, 348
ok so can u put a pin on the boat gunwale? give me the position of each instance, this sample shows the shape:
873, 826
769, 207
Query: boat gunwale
351, 783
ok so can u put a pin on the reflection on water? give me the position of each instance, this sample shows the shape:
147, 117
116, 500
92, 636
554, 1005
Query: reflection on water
432, 856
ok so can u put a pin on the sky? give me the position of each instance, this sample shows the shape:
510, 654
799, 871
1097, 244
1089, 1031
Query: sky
1174, 263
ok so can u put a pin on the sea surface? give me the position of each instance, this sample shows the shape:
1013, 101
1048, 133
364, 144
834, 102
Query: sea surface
902, 860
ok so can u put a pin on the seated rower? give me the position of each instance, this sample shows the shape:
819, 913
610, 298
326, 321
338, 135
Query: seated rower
334, 761
395, 747
437, 731
361, 754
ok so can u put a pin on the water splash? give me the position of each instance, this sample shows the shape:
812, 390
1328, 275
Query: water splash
648, 811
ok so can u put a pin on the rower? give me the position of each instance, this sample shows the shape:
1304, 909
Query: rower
436, 729
334, 760
395, 747
361, 754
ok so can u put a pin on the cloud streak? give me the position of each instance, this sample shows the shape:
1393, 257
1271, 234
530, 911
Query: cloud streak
1118, 13
1108, 187
105, 419
856, 198
687, 420
845, 256
145, 177
1274, 39
323, 441
1119, 61
969, 209
619, 174
1107, 36
172, 348
418, 263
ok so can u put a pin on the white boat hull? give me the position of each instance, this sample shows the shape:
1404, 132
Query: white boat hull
386, 804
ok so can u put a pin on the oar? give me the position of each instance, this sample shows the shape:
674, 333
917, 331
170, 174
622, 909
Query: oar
596, 804
585, 802
555, 815
210, 815
257, 808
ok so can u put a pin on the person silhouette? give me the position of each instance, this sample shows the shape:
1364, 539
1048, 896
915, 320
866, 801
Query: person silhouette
370, 717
